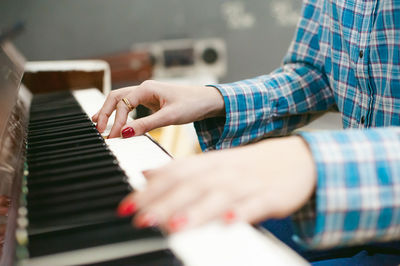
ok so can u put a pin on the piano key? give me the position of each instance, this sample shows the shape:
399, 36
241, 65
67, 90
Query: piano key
59, 119
66, 144
72, 220
74, 168
63, 128
48, 115
62, 139
72, 209
108, 232
101, 172
39, 159
42, 154
56, 124
59, 198
52, 135
59, 116
73, 187
68, 159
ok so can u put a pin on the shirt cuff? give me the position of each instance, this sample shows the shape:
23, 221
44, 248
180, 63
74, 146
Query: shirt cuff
358, 188
210, 131
247, 113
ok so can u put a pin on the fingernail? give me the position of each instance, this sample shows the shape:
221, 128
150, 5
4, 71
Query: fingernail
128, 132
145, 220
126, 209
176, 223
229, 216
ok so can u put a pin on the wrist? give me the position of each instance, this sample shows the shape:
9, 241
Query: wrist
215, 100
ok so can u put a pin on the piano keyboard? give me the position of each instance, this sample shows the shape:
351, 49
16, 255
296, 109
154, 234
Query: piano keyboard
76, 179
75, 184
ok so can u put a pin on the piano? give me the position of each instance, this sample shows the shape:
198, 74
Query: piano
65, 181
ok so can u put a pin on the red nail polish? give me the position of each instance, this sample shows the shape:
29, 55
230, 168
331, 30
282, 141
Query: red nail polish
145, 220
229, 216
126, 209
176, 223
128, 132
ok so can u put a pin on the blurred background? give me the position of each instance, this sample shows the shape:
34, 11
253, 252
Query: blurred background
257, 32
185, 41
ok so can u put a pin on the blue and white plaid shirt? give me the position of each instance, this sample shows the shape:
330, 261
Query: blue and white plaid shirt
345, 55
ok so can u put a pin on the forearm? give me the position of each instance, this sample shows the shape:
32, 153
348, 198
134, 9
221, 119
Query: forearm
270, 105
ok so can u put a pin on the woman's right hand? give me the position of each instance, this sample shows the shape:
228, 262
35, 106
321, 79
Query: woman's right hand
171, 105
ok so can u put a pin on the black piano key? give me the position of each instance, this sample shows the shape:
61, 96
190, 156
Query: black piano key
66, 144
73, 160
47, 108
73, 168
41, 154
46, 121
63, 128
163, 257
57, 188
62, 178
40, 159
72, 208
60, 198
52, 125
48, 115
115, 231
51, 96
55, 135
60, 116
73, 220
62, 139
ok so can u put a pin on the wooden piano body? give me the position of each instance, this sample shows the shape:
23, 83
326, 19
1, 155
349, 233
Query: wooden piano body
212, 244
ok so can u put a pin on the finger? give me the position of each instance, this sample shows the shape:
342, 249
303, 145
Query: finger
120, 119
109, 106
106, 111
5, 201
95, 117
140, 126
168, 204
132, 201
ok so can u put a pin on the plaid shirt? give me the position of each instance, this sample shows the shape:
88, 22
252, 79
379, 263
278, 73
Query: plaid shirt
345, 55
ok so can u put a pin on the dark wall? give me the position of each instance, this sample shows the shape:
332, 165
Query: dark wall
257, 32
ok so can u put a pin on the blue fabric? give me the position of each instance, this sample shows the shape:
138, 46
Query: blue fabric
373, 254
345, 55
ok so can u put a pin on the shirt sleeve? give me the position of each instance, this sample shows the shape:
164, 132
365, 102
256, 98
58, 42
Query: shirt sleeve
357, 199
274, 104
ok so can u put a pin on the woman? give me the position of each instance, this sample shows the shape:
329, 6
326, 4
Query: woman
341, 188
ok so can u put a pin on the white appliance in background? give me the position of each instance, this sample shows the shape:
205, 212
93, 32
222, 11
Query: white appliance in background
186, 57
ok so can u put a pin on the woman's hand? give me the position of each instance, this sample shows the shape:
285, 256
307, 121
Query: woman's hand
270, 179
171, 104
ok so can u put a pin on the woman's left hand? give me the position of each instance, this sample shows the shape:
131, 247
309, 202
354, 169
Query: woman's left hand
270, 179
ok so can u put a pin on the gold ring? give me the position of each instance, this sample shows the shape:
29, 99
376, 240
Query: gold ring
128, 104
